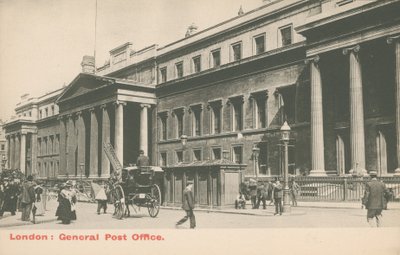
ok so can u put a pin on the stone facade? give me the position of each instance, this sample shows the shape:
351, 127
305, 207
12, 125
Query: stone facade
329, 68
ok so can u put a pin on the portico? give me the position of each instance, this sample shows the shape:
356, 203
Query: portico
95, 110
354, 76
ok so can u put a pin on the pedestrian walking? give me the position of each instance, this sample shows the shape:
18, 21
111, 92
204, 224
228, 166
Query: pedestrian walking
277, 195
294, 191
188, 205
27, 198
10, 197
261, 196
253, 193
66, 203
39, 202
374, 200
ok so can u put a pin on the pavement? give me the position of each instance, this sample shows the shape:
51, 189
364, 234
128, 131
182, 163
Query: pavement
11, 221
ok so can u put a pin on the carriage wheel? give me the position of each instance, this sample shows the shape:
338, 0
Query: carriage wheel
119, 203
154, 204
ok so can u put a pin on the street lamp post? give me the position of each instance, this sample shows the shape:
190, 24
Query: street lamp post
256, 152
285, 131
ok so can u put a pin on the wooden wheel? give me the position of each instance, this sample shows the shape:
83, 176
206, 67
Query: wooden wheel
119, 202
153, 205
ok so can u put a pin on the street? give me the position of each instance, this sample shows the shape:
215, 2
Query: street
301, 217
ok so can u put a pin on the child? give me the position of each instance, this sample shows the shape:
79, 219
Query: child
101, 198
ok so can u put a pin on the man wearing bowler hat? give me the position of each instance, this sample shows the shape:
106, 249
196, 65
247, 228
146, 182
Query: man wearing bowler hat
188, 205
373, 200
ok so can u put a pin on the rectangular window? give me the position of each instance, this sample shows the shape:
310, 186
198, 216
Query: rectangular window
47, 112
40, 114
163, 159
163, 125
216, 153
197, 64
236, 51
179, 69
286, 35
3, 147
238, 154
260, 108
179, 121
52, 110
163, 72
259, 44
30, 114
216, 58
197, 155
236, 112
39, 146
196, 119
215, 122
179, 156
238, 116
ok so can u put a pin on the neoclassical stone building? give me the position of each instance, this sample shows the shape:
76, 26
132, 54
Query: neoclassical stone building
329, 68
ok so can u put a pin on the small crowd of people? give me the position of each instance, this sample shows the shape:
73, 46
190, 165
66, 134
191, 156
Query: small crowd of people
25, 196
261, 192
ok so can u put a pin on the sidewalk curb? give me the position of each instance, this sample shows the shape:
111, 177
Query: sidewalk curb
261, 213
24, 223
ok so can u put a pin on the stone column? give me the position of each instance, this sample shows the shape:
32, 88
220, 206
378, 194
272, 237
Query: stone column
317, 120
22, 154
357, 142
144, 128
63, 146
396, 41
105, 138
11, 160
34, 154
17, 150
119, 131
8, 151
94, 144
71, 142
81, 140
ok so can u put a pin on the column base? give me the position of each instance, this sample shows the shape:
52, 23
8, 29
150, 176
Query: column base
397, 172
359, 172
317, 173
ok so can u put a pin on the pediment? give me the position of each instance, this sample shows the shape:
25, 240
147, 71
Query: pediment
83, 84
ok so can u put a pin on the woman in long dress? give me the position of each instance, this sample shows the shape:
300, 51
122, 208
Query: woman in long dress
39, 200
66, 207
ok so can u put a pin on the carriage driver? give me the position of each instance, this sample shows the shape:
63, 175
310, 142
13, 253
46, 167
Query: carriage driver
142, 160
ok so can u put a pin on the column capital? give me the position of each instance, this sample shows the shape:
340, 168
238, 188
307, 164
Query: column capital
24, 132
145, 105
393, 39
314, 59
92, 109
78, 114
117, 103
355, 49
103, 106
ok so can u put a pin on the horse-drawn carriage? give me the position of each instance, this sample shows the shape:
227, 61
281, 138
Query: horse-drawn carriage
136, 187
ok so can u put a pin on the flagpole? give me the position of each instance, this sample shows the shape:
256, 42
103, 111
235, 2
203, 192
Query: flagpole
95, 37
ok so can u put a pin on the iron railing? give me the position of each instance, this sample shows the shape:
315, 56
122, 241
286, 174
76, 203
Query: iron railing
341, 188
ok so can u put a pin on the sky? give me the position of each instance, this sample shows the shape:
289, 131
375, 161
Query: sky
42, 42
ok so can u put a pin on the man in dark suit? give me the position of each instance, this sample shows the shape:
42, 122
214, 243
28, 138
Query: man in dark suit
142, 160
277, 194
374, 200
28, 198
188, 205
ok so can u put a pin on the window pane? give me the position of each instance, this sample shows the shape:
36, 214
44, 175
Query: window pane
180, 125
163, 74
217, 153
286, 34
237, 52
179, 70
216, 58
260, 44
238, 116
238, 154
197, 64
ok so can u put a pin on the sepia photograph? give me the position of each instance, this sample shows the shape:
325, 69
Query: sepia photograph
175, 127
